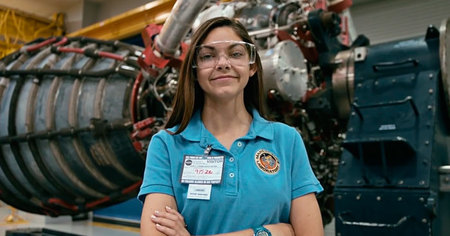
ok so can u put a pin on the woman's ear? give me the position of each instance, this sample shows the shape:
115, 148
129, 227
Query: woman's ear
252, 69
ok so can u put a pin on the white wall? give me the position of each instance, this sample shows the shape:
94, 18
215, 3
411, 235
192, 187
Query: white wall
74, 17
388, 20
115, 7
72, 9
379, 20
78, 13
42, 8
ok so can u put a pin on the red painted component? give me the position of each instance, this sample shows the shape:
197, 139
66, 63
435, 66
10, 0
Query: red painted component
321, 4
62, 203
339, 6
74, 50
142, 130
97, 202
99, 53
132, 187
141, 134
61, 42
138, 146
144, 123
111, 55
108, 198
151, 56
345, 37
310, 93
149, 32
134, 94
41, 44
310, 53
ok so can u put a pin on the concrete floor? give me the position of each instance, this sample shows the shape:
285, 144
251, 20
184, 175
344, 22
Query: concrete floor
12, 219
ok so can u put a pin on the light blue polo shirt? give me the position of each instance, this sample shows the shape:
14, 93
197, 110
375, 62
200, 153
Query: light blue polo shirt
248, 196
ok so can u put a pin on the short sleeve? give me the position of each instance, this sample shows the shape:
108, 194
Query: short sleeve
157, 173
303, 179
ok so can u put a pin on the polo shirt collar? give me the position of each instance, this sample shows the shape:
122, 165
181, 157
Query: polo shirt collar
196, 131
260, 127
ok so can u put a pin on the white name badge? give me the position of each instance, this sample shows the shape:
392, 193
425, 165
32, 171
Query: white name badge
202, 169
199, 191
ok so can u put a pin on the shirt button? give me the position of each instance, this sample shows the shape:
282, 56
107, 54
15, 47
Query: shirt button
231, 175
239, 144
231, 159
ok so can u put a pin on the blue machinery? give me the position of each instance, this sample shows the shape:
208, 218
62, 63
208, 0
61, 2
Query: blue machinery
391, 177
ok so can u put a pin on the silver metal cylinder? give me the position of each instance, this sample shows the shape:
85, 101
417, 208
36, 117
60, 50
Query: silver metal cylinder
285, 71
343, 82
177, 25
444, 173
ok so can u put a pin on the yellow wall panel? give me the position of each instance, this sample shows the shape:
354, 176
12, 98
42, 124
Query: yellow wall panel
17, 28
129, 23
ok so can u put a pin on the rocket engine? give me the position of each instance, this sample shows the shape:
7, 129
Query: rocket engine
65, 126
76, 114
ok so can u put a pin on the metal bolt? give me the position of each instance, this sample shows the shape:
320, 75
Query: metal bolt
421, 199
378, 198
424, 220
400, 182
430, 107
343, 163
421, 182
430, 76
427, 142
339, 196
399, 199
376, 83
358, 197
430, 91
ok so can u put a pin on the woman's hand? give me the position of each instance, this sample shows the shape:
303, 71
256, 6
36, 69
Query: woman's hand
170, 222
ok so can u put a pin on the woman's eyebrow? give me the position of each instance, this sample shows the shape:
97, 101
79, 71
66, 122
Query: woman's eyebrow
207, 46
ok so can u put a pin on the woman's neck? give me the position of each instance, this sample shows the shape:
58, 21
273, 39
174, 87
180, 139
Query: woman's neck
227, 121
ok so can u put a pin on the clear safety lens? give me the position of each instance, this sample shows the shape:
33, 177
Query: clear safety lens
237, 53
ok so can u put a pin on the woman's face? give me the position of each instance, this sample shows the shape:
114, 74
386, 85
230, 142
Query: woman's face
223, 66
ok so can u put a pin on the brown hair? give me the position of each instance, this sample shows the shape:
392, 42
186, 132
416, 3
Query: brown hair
189, 96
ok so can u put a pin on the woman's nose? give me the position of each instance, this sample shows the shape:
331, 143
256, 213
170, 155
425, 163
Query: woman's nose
223, 61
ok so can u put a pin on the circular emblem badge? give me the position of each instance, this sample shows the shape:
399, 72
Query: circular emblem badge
267, 162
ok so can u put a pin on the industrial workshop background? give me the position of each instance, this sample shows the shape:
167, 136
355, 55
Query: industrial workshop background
366, 82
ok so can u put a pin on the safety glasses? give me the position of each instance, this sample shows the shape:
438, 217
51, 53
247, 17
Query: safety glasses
237, 53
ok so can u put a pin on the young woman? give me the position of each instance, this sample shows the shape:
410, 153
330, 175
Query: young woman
220, 167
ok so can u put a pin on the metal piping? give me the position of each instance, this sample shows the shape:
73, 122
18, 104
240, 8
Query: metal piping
177, 25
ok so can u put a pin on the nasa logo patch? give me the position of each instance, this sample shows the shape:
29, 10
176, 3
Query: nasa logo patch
267, 162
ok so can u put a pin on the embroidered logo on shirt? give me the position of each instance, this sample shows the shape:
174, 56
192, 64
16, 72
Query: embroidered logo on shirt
267, 162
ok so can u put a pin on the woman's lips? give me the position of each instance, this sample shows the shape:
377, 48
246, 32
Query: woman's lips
223, 77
